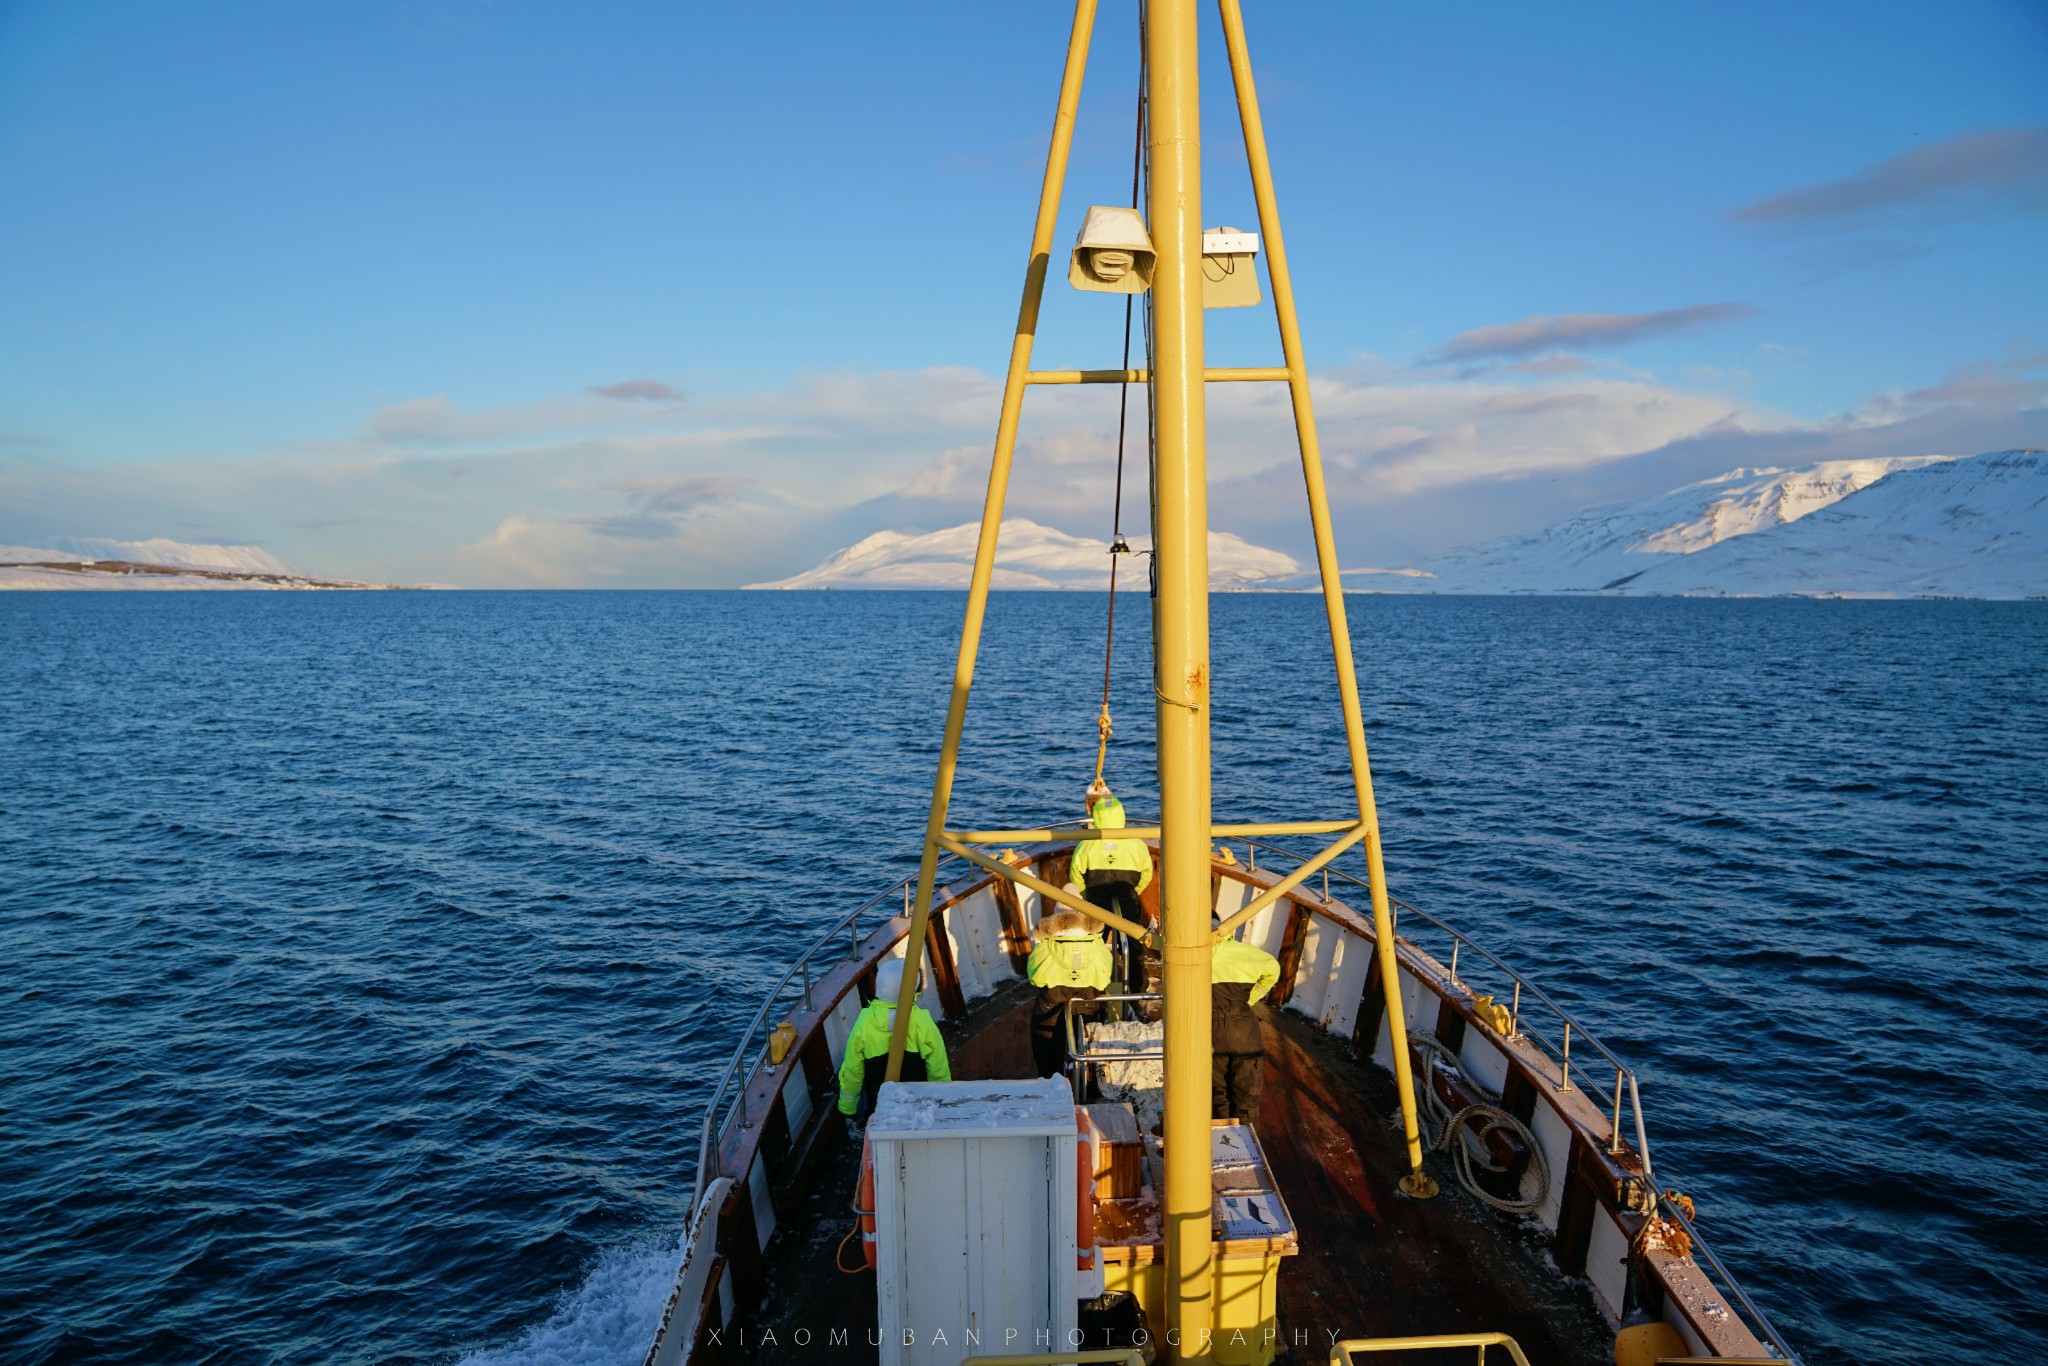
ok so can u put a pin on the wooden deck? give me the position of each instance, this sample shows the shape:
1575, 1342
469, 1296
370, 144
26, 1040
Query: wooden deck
1372, 1262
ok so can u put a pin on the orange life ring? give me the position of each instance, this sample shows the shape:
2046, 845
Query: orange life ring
864, 1202
1084, 1193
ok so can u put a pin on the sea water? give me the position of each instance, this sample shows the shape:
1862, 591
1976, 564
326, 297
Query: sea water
368, 956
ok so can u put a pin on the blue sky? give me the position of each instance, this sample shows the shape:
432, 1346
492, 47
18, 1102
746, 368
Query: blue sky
653, 294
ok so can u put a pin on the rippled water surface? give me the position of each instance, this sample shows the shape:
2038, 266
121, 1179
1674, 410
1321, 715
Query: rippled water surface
367, 956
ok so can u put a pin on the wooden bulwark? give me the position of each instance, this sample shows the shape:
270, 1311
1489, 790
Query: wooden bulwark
1586, 1214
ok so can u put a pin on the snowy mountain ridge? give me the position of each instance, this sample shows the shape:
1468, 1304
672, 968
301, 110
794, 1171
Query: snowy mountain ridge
1605, 546
1028, 555
97, 564
175, 554
248, 559
1975, 528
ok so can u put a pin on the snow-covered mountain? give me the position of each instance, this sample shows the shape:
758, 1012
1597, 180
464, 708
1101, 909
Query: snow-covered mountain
1607, 546
1973, 528
246, 559
1028, 555
91, 563
180, 555
33, 554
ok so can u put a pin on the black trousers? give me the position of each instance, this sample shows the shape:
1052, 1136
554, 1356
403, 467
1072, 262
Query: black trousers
1234, 1081
1049, 1026
1048, 1055
1121, 898
876, 1070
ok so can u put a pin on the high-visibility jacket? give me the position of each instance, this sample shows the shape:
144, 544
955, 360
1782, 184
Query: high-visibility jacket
1069, 961
1102, 856
1239, 974
1076, 958
867, 1052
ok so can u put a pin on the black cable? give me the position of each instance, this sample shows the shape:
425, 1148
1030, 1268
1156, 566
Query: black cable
1117, 545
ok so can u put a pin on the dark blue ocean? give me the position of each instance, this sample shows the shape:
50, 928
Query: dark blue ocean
367, 956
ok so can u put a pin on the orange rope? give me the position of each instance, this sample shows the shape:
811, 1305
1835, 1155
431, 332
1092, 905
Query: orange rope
839, 1254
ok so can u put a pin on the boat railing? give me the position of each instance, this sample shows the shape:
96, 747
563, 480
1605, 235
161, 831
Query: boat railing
1089, 1005
1345, 1353
792, 988
1768, 1331
1570, 1030
795, 985
1083, 1055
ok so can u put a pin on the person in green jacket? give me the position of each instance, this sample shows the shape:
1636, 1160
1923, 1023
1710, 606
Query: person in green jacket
1069, 962
1112, 873
867, 1047
1239, 975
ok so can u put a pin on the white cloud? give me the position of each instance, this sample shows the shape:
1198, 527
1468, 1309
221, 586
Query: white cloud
1563, 332
1975, 173
640, 390
738, 488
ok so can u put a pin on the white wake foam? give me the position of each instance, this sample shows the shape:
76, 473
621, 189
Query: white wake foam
606, 1321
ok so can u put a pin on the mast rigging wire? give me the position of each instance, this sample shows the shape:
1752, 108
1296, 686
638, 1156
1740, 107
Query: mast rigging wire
1118, 546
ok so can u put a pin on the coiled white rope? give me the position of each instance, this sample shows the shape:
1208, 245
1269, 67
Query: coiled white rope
1491, 1119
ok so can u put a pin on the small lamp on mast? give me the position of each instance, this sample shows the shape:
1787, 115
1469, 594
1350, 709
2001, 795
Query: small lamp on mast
1113, 254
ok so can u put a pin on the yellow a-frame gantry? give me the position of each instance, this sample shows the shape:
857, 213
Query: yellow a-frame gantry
1180, 618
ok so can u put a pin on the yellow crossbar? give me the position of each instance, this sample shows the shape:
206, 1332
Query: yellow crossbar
1145, 832
1046, 890
1290, 882
1340, 1353
1237, 374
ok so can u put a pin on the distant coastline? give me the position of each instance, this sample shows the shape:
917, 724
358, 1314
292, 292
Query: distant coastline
129, 575
98, 564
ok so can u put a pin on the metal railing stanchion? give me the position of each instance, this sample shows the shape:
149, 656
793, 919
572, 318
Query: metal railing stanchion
1635, 1102
1614, 1127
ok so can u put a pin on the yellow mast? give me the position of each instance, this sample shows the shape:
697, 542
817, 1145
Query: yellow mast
1180, 630
1417, 1183
1180, 623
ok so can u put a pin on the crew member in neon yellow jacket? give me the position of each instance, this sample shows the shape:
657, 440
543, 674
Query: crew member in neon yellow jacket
1239, 975
1112, 873
1069, 962
867, 1048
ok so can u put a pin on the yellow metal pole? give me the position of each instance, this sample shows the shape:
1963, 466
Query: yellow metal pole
1046, 889
1180, 516
1417, 1182
992, 510
1288, 883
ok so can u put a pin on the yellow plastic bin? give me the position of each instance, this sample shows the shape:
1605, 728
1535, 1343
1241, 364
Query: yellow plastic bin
1252, 1230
